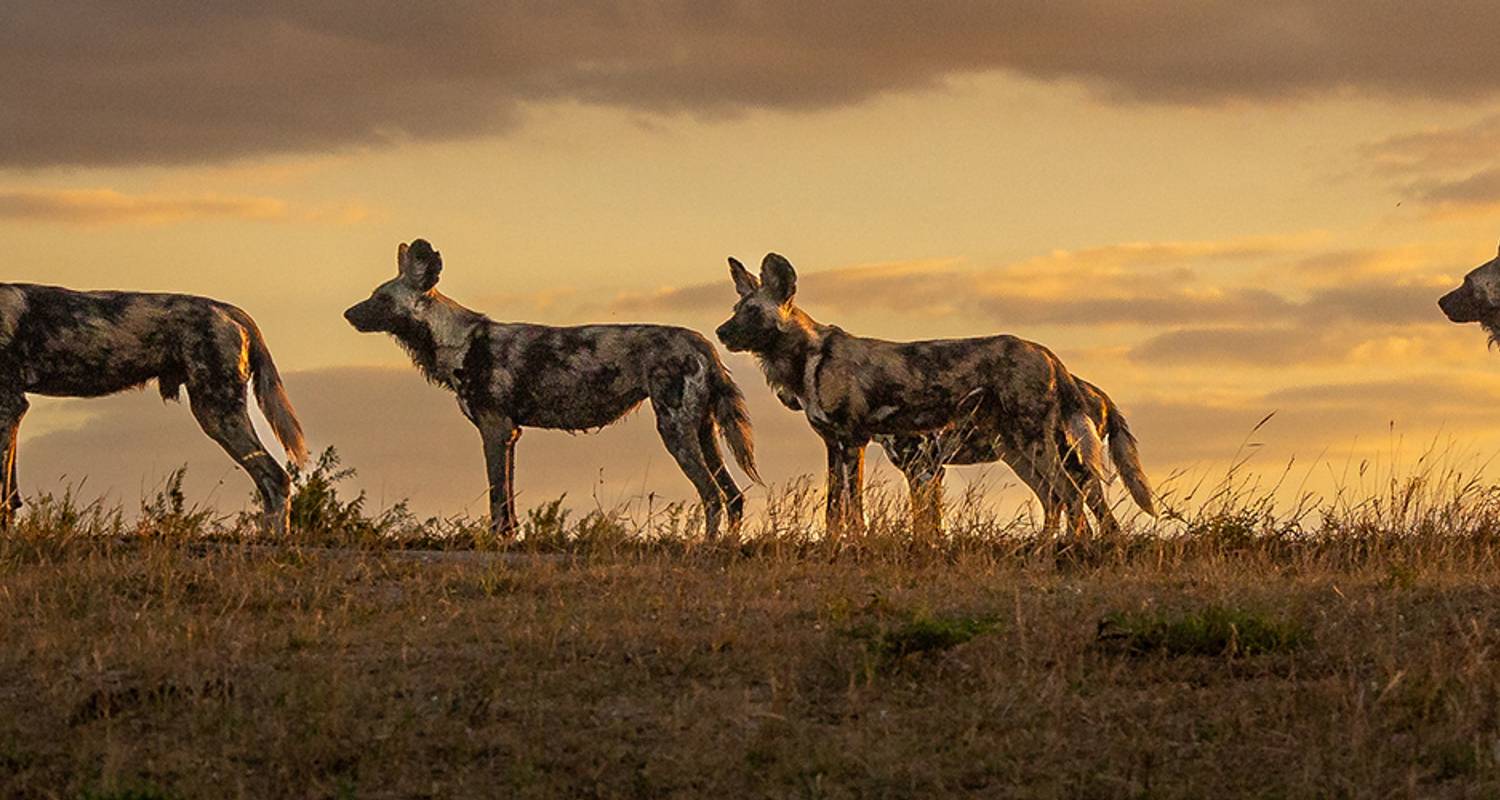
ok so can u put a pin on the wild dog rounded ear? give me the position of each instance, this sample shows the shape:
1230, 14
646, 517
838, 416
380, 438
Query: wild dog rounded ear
777, 275
420, 264
744, 282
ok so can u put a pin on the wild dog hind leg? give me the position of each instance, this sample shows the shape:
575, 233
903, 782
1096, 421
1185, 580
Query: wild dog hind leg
681, 439
230, 426
734, 497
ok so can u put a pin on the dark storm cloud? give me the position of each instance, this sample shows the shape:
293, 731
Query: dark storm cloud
108, 83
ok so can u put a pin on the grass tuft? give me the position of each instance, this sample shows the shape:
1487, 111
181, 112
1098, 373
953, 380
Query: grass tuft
917, 634
145, 792
1213, 631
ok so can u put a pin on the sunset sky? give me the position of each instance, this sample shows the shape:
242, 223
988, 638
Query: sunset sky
1215, 210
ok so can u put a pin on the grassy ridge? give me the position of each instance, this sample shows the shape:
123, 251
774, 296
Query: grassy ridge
1345, 651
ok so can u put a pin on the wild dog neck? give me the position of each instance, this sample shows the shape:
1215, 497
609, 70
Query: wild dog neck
437, 337
784, 361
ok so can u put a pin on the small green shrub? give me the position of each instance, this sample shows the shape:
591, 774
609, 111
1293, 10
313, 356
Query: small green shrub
1213, 631
922, 634
167, 512
139, 792
316, 507
319, 515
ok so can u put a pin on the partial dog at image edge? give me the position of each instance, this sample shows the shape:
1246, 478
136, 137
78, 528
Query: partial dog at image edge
1477, 299
62, 343
921, 458
510, 376
853, 388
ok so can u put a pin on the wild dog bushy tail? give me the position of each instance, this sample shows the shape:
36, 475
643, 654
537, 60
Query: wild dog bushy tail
1079, 430
1127, 460
731, 417
270, 394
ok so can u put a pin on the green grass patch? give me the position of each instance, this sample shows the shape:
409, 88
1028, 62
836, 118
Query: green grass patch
1213, 631
143, 792
922, 634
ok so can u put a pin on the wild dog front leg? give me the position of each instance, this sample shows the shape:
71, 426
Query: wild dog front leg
846, 469
500, 435
12, 409
837, 499
854, 483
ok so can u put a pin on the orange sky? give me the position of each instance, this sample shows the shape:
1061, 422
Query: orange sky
1214, 210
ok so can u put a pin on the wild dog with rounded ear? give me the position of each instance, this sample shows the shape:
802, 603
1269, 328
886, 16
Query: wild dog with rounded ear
511, 376
852, 388
1477, 299
62, 343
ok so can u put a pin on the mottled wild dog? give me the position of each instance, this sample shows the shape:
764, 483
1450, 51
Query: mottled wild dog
1477, 299
853, 388
62, 343
510, 376
921, 458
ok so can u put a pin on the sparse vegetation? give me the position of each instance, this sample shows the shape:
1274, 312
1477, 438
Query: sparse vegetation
1213, 631
1341, 647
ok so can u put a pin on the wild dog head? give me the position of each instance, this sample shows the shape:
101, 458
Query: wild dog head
1477, 299
764, 314
399, 300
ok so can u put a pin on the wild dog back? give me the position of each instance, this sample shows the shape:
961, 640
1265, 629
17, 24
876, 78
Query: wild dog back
90, 344
587, 376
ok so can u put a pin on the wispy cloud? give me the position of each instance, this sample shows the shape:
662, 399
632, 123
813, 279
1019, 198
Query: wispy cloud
111, 207
1437, 149
1453, 172
107, 206
1476, 194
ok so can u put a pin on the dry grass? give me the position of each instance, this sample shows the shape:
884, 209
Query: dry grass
1331, 647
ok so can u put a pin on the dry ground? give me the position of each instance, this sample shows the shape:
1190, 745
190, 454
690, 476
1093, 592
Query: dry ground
1251, 654
154, 669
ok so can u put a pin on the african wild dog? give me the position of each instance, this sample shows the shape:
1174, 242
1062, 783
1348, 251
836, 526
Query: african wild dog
1477, 299
510, 376
62, 343
921, 458
853, 388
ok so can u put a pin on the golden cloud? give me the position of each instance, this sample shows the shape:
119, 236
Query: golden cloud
109, 207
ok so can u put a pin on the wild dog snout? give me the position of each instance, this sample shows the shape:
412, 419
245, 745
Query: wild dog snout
1459, 305
362, 317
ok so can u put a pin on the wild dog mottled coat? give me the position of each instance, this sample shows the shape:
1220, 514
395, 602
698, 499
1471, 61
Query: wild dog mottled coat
921, 458
853, 388
510, 376
63, 343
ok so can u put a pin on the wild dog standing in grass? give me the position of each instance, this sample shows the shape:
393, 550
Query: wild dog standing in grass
61, 343
853, 388
1477, 299
510, 376
921, 458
